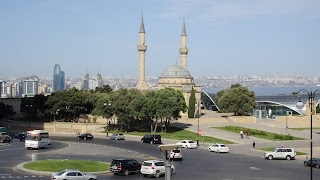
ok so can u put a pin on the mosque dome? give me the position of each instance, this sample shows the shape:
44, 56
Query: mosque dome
176, 71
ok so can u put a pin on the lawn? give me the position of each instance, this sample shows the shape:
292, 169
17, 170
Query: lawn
179, 134
272, 148
59, 165
302, 129
259, 133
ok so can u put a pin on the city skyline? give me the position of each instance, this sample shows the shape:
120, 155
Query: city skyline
224, 38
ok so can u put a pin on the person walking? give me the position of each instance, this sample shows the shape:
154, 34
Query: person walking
241, 134
254, 145
247, 134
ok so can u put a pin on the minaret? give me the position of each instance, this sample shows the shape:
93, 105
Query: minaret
142, 85
183, 50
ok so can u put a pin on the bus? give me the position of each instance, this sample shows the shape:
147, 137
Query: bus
37, 139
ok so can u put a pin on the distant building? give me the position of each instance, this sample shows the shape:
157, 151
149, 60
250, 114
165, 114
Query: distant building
86, 82
58, 79
99, 80
30, 86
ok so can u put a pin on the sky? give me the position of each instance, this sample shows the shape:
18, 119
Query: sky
224, 37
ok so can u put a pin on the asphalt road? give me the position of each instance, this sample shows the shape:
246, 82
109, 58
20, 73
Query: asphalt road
196, 163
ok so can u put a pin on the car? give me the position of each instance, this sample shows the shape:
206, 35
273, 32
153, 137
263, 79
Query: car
154, 168
315, 162
218, 148
69, 174
124, 166
175, 154
117, 137
187, 144
85, 136
21, 136
4, 137
280, 153
152, 139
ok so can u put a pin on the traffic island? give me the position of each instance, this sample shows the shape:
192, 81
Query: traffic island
47, 167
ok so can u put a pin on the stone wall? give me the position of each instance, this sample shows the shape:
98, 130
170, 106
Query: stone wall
299, 121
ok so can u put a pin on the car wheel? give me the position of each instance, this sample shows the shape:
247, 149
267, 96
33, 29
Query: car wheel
317, 166
187, 147
90, 179
85, 138
126, 172
157, 174
172, 171
115, 173
270, 157
78, 138
305, 164
145, 175
288, 157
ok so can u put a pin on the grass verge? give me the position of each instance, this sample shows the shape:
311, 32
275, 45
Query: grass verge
302, 129
59, 165
258, 133
272, 148
179, 134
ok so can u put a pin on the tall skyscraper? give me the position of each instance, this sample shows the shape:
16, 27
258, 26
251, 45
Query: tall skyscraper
99, 80
30, 86
86, 82
58, 78
2, 83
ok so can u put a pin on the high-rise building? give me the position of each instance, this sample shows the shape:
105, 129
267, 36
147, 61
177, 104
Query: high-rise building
30, 86
2, 88
99, 80
58, 78
86, 82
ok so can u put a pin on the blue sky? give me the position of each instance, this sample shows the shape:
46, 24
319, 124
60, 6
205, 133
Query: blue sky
225, 37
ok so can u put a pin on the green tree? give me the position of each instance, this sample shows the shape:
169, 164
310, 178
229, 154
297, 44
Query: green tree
104, 89
192, 102
237, 99
6, 110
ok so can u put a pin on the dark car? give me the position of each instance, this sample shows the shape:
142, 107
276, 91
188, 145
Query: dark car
315, 162
124, 166
21, 136
85, 136
152, 139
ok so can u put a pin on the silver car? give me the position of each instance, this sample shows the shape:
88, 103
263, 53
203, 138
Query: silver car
70, 174
117, 137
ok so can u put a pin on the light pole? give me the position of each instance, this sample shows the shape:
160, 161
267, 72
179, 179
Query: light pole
29, 107
300, 106
105, 104
287, 121
198, 123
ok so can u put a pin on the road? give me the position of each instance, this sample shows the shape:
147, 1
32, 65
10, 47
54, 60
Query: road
196, 163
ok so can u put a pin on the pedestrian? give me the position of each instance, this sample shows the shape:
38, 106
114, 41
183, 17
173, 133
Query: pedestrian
241, 134
254, 145
247, 134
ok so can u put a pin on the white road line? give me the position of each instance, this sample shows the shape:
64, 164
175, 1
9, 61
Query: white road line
11, 149
254, 168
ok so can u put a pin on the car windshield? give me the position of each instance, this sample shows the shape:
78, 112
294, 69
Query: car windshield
120, 134
60, 173
190, 141
146, 164
222, 145
275, 149
176, 151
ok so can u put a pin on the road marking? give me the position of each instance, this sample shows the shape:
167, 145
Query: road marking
254, 168
11, 149
5, 174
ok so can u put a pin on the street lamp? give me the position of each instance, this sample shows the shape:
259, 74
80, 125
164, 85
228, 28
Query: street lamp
105, 104
29, 107
198, 114
166, 148
300, 105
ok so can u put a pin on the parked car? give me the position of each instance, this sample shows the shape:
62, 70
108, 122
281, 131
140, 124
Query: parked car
154, 168
280, 153
218, 148
117, 137
152, 139
187, 144
175, 154
315, 162
124, 166
85, 136
4, 137
69, 174
21, 136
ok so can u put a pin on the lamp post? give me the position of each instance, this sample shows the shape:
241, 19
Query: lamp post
198, 123
29, 107
105, 104
166, 148
300, 105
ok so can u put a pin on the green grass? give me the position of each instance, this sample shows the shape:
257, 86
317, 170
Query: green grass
59, 165
302, 129
258, 133
179, 134
272, 148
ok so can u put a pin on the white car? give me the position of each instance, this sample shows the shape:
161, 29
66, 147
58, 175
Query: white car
117, 137
280, 153
70, 174
154, 168
175, 154
187, 144
218, 148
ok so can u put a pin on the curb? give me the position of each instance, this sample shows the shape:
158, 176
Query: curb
20, 167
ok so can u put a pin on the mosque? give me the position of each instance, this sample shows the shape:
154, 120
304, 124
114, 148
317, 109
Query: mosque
176, 76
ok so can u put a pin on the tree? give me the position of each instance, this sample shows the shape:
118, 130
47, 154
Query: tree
104, 89
237, 99
6, 110
192, 102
